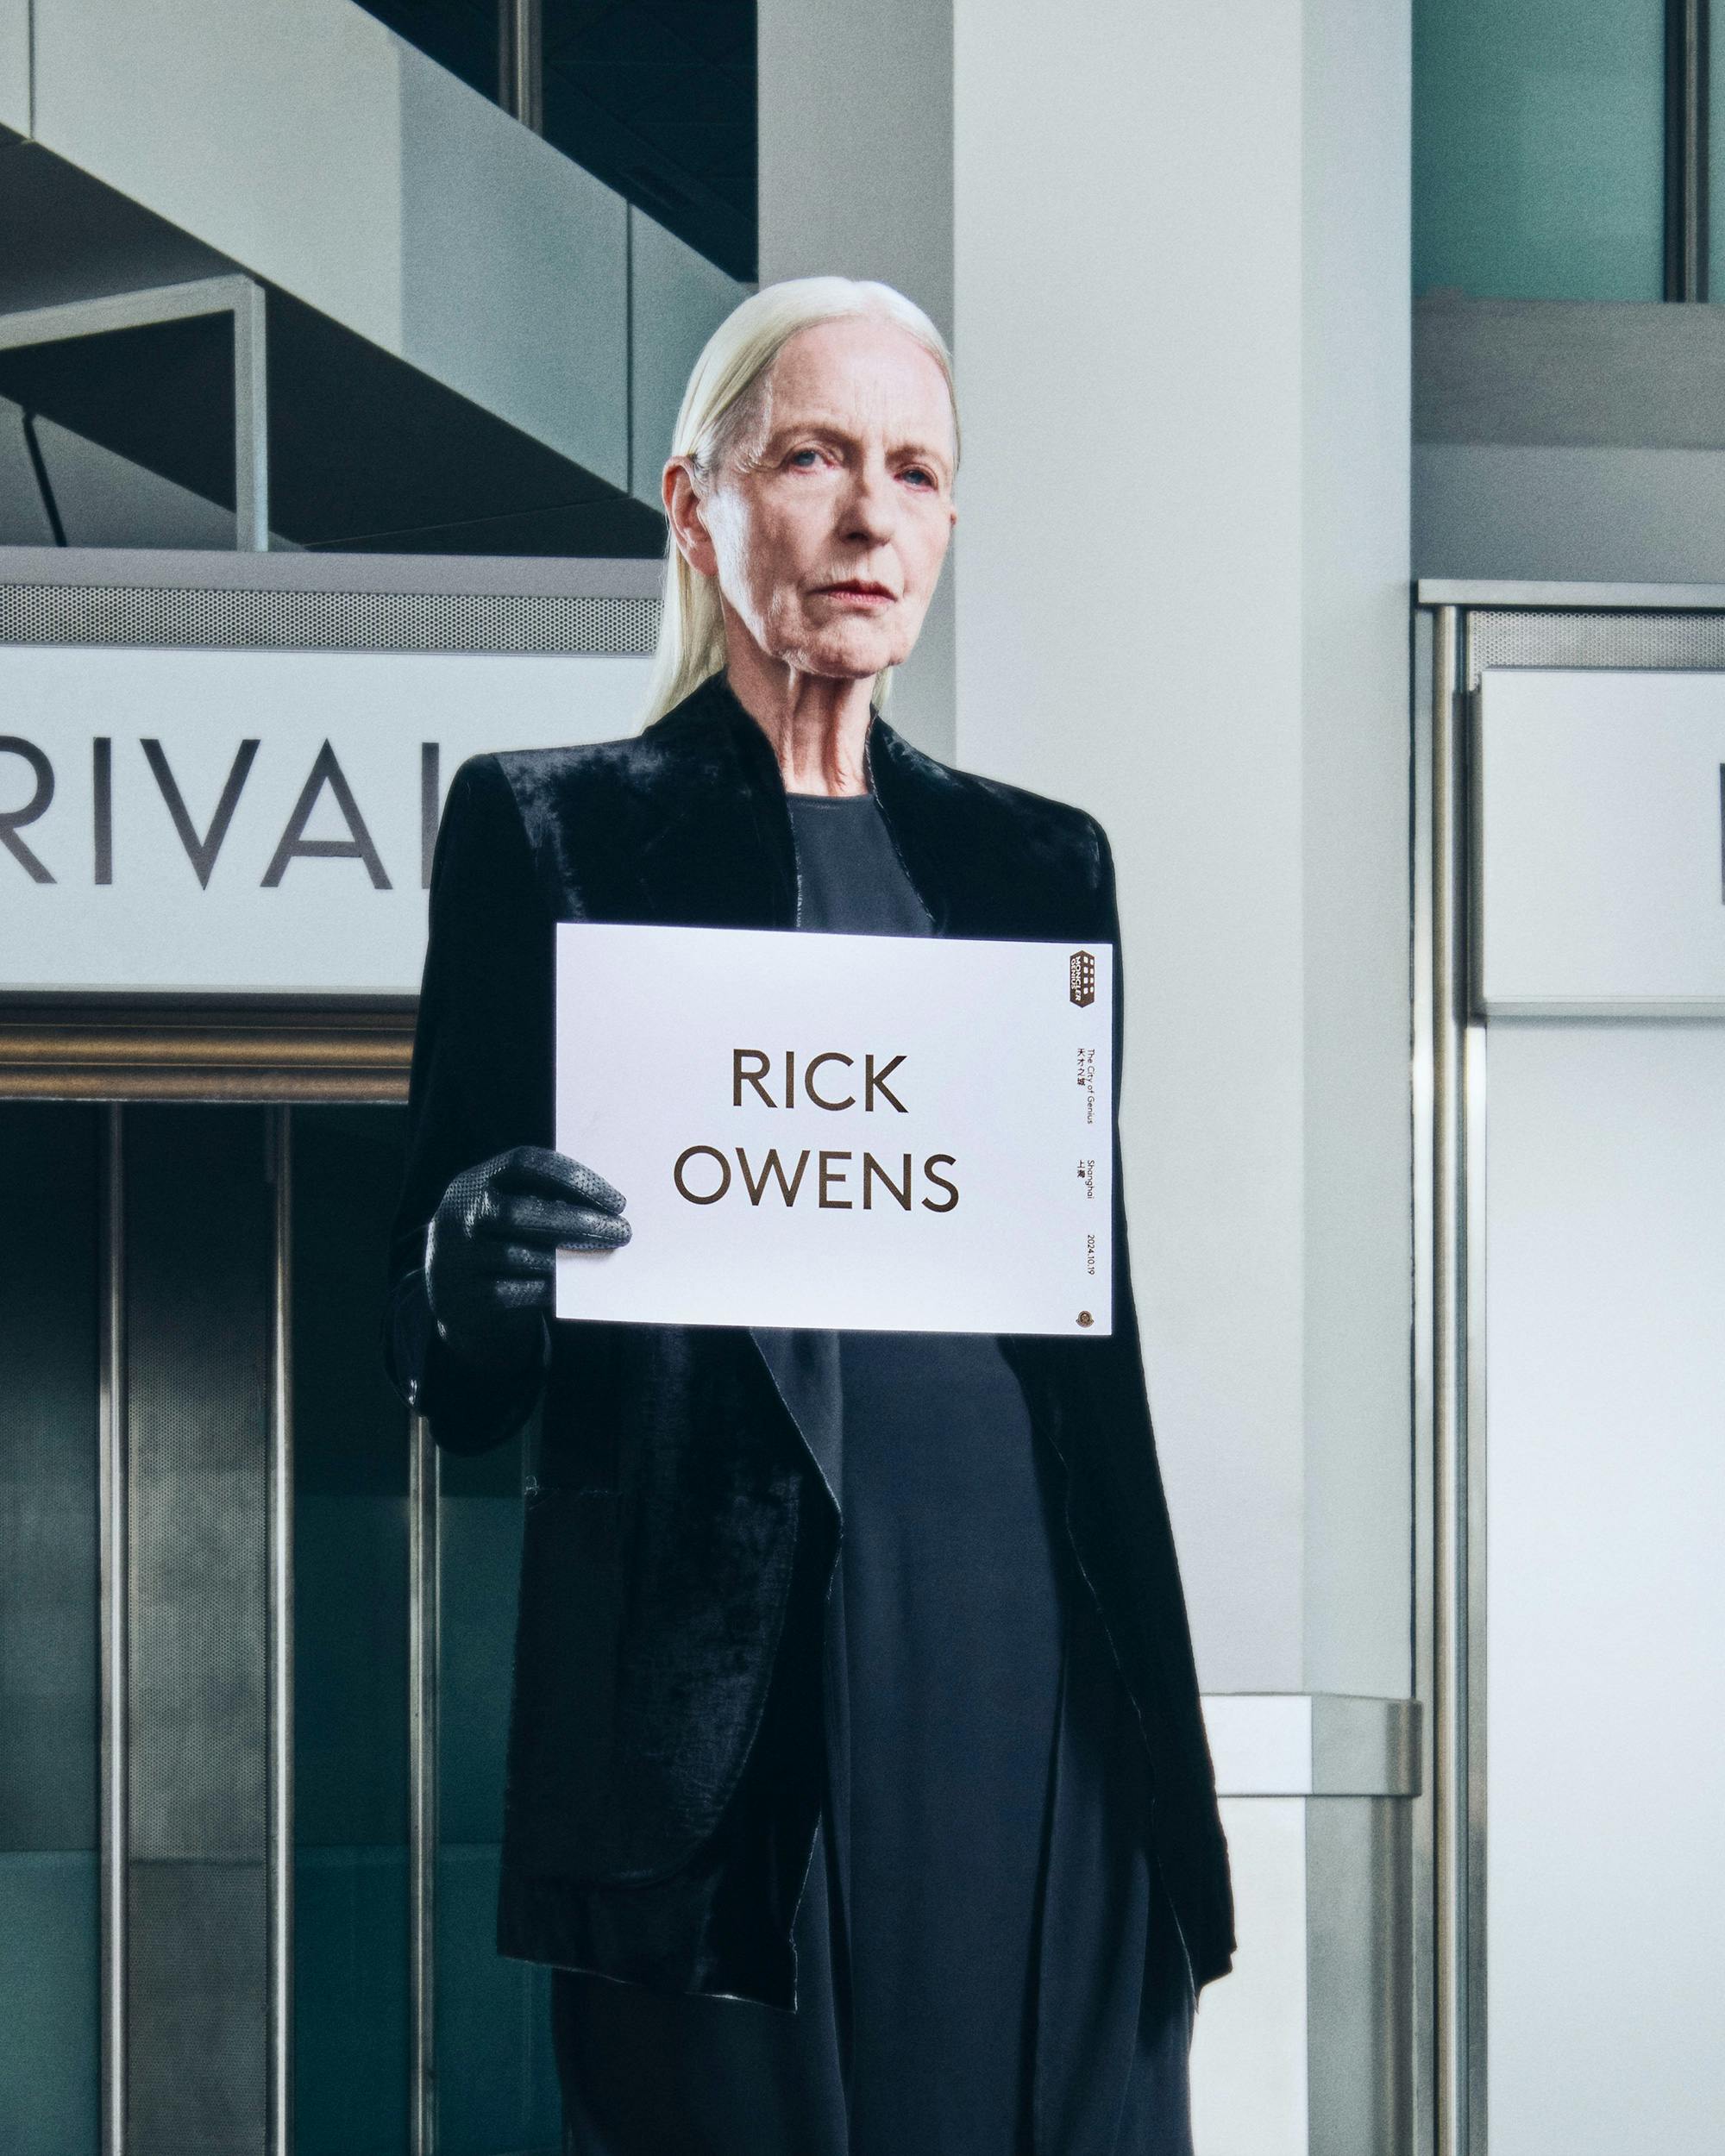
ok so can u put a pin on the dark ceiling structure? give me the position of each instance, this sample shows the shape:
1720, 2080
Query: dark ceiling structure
655, 98
365, 453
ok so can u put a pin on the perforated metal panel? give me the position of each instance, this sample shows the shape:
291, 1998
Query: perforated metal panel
199, 1287
197, 2009
325, 621
1525, 637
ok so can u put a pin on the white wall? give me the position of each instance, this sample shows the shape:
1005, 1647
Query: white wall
1634, 515
1181, 313
856, 144
1568, 440
1176, 247
1605, 1641
1356, 554
1250, 2093
855, 180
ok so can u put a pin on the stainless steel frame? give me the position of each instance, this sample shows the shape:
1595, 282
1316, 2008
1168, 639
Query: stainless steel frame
521, 61
1440, 1077
1459, 629
112, 1592
238, 295
423, 1544
1686, 148
72, 1048
1467, 1451
279, 1128
1423, 2007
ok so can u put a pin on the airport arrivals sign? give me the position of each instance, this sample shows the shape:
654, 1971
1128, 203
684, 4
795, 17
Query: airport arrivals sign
251, 821
865, 1131
1600, 799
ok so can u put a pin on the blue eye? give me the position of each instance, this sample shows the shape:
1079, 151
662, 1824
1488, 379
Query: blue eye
796, 454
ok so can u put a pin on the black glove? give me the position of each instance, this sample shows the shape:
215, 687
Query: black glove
490, 1250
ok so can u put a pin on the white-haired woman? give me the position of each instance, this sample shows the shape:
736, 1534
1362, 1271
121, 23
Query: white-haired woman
937, 1783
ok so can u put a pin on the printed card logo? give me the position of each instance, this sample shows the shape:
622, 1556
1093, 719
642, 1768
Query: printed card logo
1083, 979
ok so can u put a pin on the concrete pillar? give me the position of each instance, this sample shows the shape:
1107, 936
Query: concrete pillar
855, 180
1178, 278
1181, 314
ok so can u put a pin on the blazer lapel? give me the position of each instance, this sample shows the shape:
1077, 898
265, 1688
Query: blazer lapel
724, 854
713, 847
988, 862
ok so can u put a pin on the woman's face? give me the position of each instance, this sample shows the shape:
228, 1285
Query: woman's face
829, 518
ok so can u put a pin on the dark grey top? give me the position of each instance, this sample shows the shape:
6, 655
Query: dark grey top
946, 1642
985, 1959
849, 877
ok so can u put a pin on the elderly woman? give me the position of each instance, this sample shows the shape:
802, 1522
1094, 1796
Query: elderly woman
903, 1839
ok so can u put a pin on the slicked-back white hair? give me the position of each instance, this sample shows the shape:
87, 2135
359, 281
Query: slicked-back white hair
717, 402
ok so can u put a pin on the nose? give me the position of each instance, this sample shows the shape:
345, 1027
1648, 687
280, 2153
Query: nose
870, 514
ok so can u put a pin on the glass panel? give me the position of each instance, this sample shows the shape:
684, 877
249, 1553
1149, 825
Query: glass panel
496, 2073
352, 2056
50, 1686
1538, 148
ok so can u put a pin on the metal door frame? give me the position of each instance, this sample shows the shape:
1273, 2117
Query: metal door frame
1459, 627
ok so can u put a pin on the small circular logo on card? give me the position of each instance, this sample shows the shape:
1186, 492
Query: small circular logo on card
1084, 1318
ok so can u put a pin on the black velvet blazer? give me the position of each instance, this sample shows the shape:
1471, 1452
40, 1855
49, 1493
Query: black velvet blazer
664, 1771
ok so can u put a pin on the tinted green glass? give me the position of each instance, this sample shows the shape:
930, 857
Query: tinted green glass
1538, 148
496, 2072
50, 1922
496, 2076
350, 1459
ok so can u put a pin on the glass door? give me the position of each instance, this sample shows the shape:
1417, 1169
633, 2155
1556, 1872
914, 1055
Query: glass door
255, 1640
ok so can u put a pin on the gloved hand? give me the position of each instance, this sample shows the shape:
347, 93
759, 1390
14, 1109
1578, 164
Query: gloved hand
490, 1250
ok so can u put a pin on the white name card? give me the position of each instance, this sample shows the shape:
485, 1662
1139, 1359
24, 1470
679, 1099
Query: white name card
1602, 798
859, 1132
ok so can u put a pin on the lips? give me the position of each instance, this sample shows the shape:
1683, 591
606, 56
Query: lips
857, 588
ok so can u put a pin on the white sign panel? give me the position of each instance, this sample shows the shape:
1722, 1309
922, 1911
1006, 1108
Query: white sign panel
254, 821
1601, 799
854, 1131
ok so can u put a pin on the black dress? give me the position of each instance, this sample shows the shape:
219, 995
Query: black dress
987, 1965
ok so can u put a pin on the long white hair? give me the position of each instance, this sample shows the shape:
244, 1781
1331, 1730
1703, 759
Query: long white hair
716, 405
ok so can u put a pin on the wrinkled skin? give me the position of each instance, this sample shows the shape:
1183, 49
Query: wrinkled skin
490, 1250
824, 525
